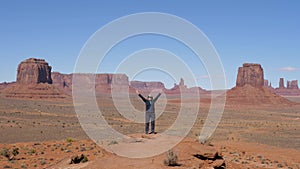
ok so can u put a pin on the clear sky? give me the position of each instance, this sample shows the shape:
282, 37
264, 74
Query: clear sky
265, 32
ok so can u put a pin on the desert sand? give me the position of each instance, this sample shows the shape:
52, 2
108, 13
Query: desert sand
47, 135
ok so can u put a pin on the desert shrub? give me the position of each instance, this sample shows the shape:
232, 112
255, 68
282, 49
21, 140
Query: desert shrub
70, 140
79, 159
5, 152
15, 151
85, 159
171, 159
31, 151
113, 142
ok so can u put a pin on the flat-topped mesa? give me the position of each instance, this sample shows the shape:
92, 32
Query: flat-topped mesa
147, 85
251, 74
34, 71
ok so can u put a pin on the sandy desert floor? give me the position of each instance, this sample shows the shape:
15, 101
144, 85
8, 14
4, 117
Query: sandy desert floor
46, 134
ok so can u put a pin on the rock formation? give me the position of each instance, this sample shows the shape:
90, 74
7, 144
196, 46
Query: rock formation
266, 83
281, 83
148, 86
181, 83
292, 84
102, 82
292, 88
250, 88
61, 80
251, 74
34, 71
33, 82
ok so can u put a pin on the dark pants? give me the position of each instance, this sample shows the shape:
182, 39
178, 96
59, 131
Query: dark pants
150, 117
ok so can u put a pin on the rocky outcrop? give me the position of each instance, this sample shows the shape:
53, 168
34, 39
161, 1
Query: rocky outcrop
292, 88
33, 82
61, 80
281, 83
102, 82
250, 89
251, 74
147, 86
34, 71
292, 84
266, 83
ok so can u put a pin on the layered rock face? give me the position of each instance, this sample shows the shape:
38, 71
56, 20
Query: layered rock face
102, 82
251, 88
147, 85
34, 82
251, 74
281, 83
266, 83
291, 89
292, 84
34, 71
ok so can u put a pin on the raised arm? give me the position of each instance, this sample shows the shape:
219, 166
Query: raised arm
156, 97
141, 96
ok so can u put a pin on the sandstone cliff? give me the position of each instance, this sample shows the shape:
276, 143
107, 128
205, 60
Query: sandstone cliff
250, 89
33, 82
34, 71
251, 74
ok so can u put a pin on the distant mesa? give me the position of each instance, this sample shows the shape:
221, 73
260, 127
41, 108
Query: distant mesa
33, 82
292, 84
289, 84
291, 89
147, 86
102, 83
250, 88
120, 82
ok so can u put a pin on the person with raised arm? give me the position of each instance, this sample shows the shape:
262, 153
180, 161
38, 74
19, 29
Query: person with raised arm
150, 111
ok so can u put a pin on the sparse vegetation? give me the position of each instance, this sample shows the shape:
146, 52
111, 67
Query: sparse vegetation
113, 142
70, 140
171, 159
31, 151
79, 159
9, 154
5, 152
15, 151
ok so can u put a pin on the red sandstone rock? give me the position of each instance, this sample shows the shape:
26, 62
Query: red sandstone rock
250, 89
251, 74
281, 83
266, 83
147, 86
292, 84
34, 71
292, 88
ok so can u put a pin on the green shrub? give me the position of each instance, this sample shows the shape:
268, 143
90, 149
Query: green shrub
70, 140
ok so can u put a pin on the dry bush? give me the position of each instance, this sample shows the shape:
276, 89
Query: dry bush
171, 159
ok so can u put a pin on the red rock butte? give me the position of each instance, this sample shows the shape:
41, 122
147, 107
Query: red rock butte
250, 89
33, 82
34, 71
252, 74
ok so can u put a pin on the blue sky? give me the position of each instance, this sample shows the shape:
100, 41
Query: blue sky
265, 32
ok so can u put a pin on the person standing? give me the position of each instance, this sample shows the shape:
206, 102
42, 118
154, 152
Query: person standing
150, 111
